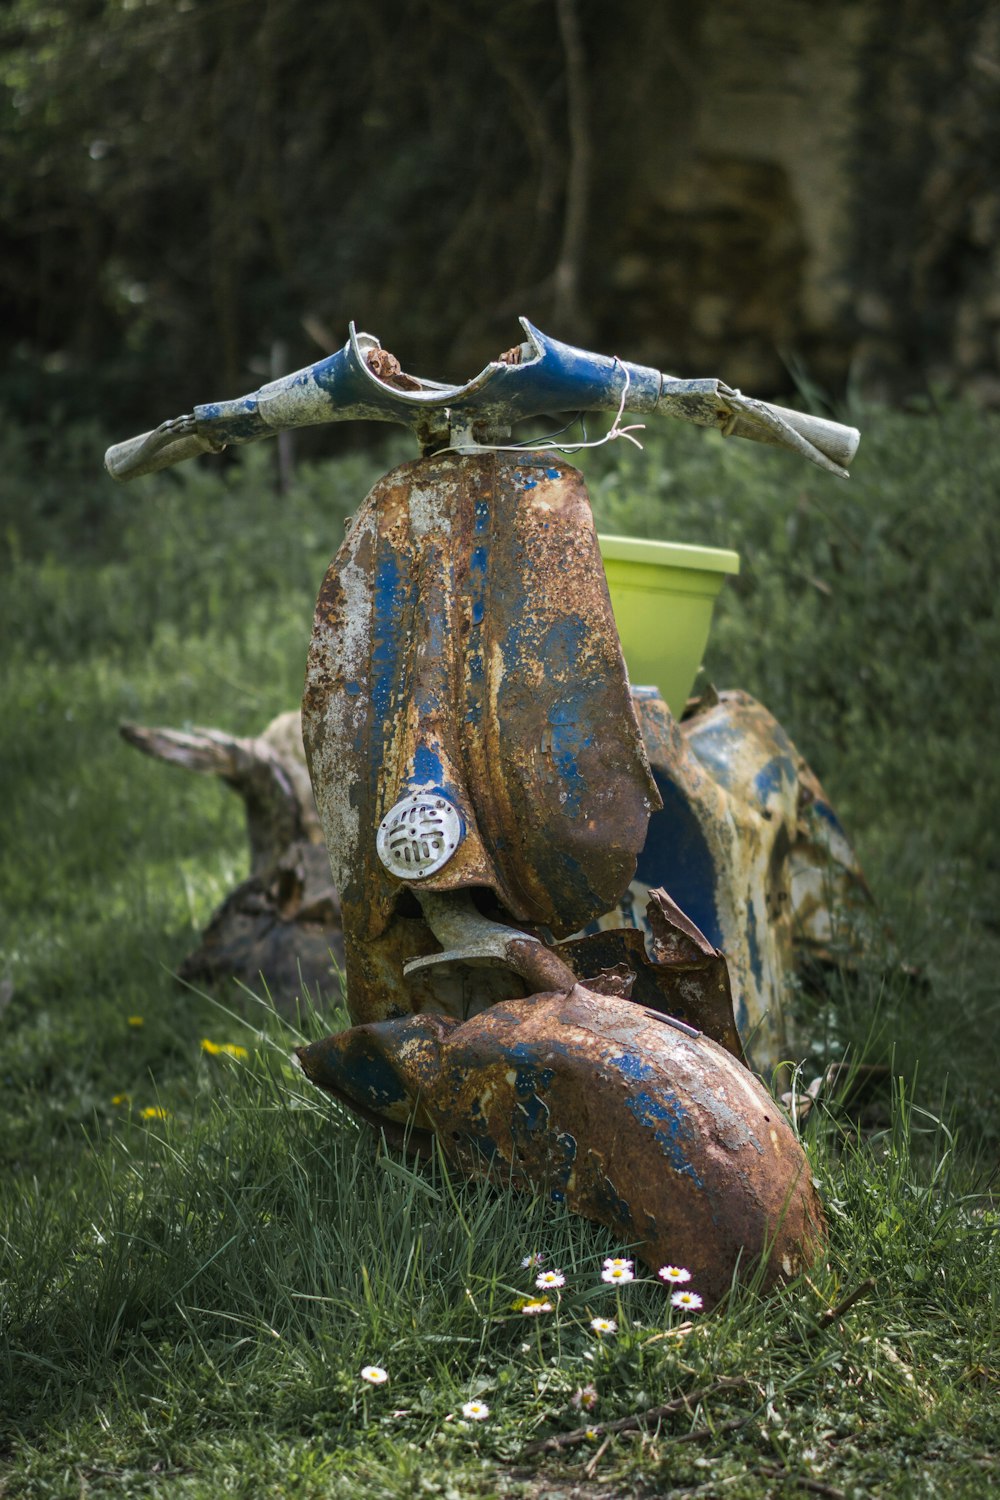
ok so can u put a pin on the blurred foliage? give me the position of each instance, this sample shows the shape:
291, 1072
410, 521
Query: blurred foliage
196, 195
186, 181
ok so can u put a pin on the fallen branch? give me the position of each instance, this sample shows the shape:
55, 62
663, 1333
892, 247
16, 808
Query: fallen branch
642, 1419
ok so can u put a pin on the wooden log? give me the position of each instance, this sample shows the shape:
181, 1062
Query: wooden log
280, 926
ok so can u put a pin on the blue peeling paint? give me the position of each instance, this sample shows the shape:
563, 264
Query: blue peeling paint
559, 650
630, 1066
770, 780
427, 768
369, 1078
531, 1081
611, 1204
825, 811
668, 1120
553, 473
676, 855
483, 1145
389, 602
718, 748
753, 946
532, 1116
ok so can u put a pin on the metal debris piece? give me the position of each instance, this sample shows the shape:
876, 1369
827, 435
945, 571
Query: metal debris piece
671, 968
632, 1119
468, 938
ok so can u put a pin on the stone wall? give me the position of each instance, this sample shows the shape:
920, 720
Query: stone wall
819, 183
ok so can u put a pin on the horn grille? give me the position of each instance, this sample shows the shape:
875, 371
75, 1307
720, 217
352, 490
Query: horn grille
419, 835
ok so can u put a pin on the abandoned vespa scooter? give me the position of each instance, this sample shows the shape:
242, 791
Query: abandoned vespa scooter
486, 780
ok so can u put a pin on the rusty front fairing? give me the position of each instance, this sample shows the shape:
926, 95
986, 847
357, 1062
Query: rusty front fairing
631, 1119
464, 641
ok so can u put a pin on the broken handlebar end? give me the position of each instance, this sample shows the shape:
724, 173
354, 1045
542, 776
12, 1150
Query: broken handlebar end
170, 443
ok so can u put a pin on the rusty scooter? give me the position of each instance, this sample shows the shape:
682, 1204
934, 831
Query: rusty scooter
542, 873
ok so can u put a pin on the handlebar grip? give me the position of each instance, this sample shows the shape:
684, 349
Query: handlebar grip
835, 440
151, 451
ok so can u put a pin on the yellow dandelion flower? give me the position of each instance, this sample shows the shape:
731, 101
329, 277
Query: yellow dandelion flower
117, 1099
154, 1112
136, 1021
222, 1049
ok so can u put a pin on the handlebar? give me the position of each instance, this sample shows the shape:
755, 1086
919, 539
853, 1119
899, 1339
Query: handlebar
540, 375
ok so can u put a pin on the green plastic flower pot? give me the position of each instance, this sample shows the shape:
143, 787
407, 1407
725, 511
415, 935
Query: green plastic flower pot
663, 594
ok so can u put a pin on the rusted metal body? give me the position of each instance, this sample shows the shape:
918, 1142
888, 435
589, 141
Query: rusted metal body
749, 847
502, 813
464, 648
631, 1118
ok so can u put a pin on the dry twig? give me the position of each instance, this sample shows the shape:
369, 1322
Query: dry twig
642, 1419
833, 1313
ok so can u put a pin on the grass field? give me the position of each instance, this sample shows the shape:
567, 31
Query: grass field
198, 1255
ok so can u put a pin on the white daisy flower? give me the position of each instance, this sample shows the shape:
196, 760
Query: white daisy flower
687, 1300
674, 1274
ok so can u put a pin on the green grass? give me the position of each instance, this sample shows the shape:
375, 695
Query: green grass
186, 1302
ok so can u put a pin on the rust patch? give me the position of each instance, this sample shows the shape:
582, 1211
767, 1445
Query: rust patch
388, 369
